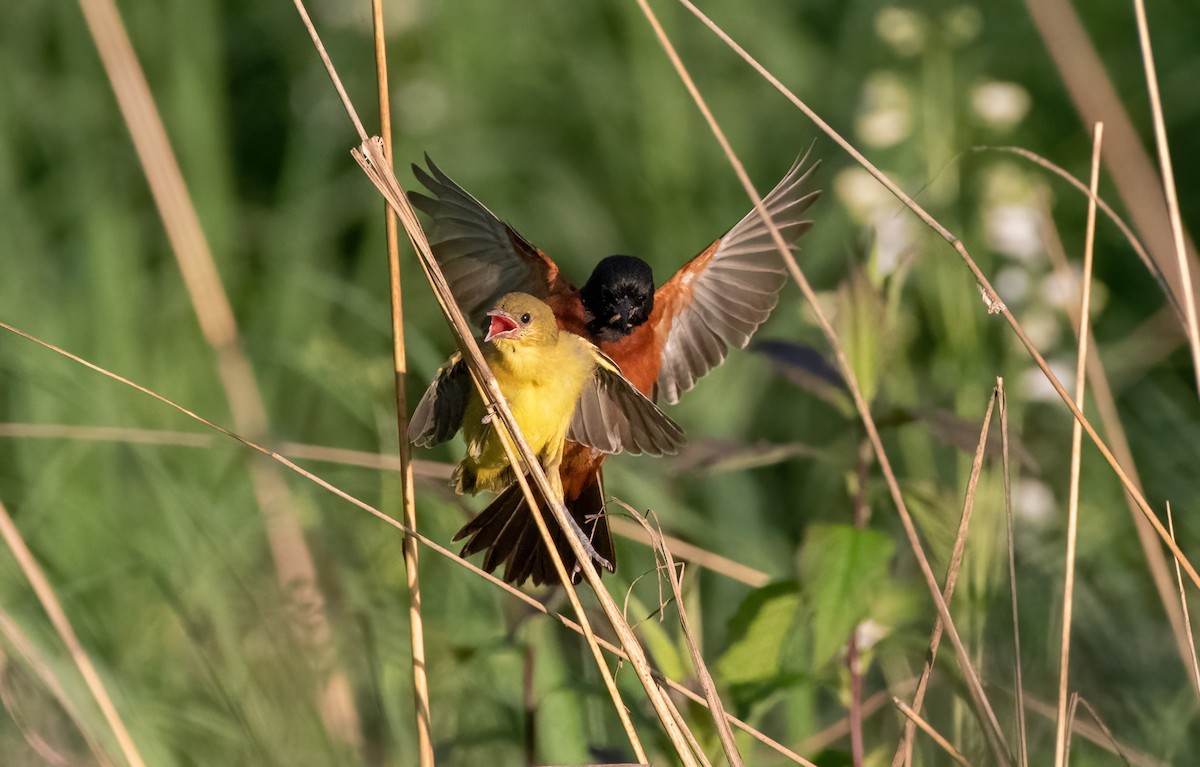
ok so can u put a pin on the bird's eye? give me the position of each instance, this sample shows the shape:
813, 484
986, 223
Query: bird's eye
525, 318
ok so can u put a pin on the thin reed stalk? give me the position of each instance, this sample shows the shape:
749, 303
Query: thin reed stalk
416, 625
927, 728
903, 753
1018, 680
1187, 621
19, 641
1096, 99
674, 575
1064, 662
1168, 182
58, 618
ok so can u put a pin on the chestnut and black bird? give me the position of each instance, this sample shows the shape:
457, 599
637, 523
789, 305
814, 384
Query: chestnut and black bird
663, 340
557, 385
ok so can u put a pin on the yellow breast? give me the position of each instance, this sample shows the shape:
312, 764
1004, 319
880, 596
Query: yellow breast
542, 383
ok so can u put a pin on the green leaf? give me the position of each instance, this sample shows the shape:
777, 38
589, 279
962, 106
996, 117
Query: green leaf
860, 323
841, 569
760, 632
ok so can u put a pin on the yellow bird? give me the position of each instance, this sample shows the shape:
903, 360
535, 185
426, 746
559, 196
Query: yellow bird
558, 387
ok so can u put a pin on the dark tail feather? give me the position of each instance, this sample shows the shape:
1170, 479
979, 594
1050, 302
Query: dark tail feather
506, 530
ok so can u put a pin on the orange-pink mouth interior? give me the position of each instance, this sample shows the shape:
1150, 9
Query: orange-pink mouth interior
501, 325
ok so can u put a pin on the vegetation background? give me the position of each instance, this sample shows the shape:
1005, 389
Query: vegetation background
568, 122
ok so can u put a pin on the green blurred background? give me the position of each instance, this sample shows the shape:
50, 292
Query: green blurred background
569, 123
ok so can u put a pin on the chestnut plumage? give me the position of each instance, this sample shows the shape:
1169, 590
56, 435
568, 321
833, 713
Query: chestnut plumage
662, 340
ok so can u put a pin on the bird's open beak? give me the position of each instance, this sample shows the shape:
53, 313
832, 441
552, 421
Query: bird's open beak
502, 325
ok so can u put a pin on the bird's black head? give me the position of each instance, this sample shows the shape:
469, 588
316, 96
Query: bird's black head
618, 297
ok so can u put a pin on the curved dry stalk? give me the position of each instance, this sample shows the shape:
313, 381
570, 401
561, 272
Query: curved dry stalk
690, 552
916, 719
697, 749
49, 600
33, 656
1018, 681
295, 570
1168, 182
904, 750
430, 470
1155, 272
1187, 621
822, 740
416, 625
1096, 100
658, 678
1061, 743
675, 580
983, 708
990, 297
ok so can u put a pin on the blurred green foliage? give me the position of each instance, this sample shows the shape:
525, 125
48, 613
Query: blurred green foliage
569, 123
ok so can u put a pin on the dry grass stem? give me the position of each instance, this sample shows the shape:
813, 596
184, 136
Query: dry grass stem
416, 628
675, 581
1126, 231
1106, 405
49, 601
983, 708
819, 741
1096, 100
991, 299
1187, 621
944, 744
294, 567
1168, 183
690, 552
431, 470
18, 641
1064, 657
697, 749
1116, 746
904, 750
1018, 681
1098, 736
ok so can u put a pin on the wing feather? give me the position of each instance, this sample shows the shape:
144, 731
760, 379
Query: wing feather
439, 414
482, 257
612, 416
720, 297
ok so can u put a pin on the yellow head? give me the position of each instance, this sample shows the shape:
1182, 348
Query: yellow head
519, 318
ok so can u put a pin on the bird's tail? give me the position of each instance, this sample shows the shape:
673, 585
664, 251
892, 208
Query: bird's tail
507, 532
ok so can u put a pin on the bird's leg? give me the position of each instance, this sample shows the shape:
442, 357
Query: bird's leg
550, 464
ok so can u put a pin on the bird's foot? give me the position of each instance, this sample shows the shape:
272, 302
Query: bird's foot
589, 549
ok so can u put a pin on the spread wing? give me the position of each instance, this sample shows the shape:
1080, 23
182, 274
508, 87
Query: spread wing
720, 297
482, 257
439, 414
613, 416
